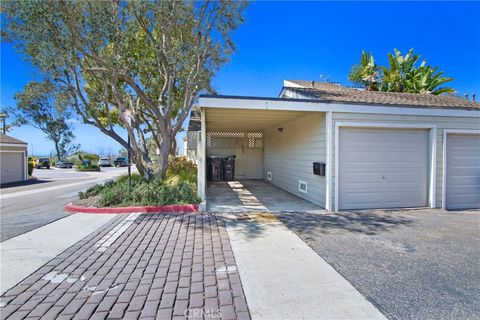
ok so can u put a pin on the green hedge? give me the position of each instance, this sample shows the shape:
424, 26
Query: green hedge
179, 187
172, 190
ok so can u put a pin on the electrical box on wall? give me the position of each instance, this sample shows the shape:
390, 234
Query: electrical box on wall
319, 168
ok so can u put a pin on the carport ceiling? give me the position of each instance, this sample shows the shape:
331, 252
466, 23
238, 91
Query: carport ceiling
250, 120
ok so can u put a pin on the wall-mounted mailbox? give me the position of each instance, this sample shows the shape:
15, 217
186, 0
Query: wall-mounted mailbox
319, 168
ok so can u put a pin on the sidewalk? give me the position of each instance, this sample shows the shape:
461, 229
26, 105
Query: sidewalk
23, 254
148, 266
284, 278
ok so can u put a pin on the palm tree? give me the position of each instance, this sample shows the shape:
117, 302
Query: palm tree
365, 73
401, 75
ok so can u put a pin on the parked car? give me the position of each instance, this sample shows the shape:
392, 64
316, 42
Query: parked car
120, 162
42, 163
104, 162
63, 165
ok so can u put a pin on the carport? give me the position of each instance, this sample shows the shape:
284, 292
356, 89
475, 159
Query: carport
274, 152
253, 196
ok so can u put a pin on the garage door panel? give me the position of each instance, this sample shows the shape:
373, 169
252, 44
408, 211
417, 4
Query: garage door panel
12, 166
463, 171
382, 168
362, 179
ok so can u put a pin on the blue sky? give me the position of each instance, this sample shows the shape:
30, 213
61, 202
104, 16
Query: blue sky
311, 41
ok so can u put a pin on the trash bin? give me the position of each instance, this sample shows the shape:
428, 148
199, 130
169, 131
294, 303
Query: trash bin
216, 168
229, 168
209, 168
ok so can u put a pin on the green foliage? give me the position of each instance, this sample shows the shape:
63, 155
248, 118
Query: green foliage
182, 167
46, 107
150, 57
91, 167
93, 191
403, 74
31, 165
171, 190
366, 73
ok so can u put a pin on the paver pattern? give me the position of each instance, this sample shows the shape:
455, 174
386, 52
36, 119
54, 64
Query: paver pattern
162, 266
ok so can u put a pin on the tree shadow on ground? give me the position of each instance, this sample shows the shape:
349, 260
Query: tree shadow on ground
364, 222
24, 183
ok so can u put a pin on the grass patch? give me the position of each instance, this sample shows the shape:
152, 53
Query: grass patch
179, 187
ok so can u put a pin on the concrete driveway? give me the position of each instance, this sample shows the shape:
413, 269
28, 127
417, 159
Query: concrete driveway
412, 264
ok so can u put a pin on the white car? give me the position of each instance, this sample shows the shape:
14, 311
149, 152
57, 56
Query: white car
104, 162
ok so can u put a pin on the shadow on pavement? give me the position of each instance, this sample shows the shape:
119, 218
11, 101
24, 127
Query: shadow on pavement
24, 183
365, 222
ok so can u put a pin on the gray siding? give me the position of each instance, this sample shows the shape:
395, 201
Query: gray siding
440, 123
289, 155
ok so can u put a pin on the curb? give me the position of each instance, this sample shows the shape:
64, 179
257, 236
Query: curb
178, 208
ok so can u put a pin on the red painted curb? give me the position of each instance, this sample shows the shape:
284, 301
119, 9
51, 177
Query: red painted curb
143, 209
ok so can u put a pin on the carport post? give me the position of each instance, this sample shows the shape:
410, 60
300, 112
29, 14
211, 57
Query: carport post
201, 158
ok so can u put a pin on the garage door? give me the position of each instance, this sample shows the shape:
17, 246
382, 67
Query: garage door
463, 171
11, 166
382, 168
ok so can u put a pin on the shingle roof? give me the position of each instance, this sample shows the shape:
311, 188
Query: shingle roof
7, 139
335, 93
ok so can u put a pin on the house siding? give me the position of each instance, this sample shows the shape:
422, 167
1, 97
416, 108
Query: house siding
289, 156
441, 123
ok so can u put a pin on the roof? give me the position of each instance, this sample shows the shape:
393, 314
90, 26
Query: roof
335, 93
11, 140
195, 123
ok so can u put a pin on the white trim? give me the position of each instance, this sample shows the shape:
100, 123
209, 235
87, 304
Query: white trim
22, 151
328, 173
433, 150
25, 165
18, 145
444, 155
302, 105
201, 159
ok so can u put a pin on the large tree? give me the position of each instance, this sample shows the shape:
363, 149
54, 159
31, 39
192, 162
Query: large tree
403, 74
147, 59
41, 105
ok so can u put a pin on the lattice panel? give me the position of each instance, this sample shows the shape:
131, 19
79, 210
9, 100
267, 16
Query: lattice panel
192, 139
225, 139
255, 140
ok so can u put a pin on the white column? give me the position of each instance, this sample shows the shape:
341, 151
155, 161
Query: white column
329, 162
201, 158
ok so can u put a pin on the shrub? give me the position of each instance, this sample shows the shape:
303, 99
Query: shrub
31, 165
171, 190
182, 167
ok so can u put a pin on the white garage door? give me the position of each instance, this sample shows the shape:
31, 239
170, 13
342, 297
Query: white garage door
382, 168
11, 164
463, 171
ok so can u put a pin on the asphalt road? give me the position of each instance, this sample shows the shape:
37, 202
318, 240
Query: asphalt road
412, 264
30, 206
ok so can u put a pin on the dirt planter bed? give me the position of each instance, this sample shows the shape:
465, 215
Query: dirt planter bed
133, 209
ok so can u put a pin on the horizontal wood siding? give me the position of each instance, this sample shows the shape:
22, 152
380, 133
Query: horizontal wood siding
289, 156
440, 122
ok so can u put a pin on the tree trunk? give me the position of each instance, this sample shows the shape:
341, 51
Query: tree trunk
165, 148
173, 147
57, 149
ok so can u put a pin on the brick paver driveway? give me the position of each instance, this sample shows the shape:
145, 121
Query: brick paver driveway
150, 266
412, 264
